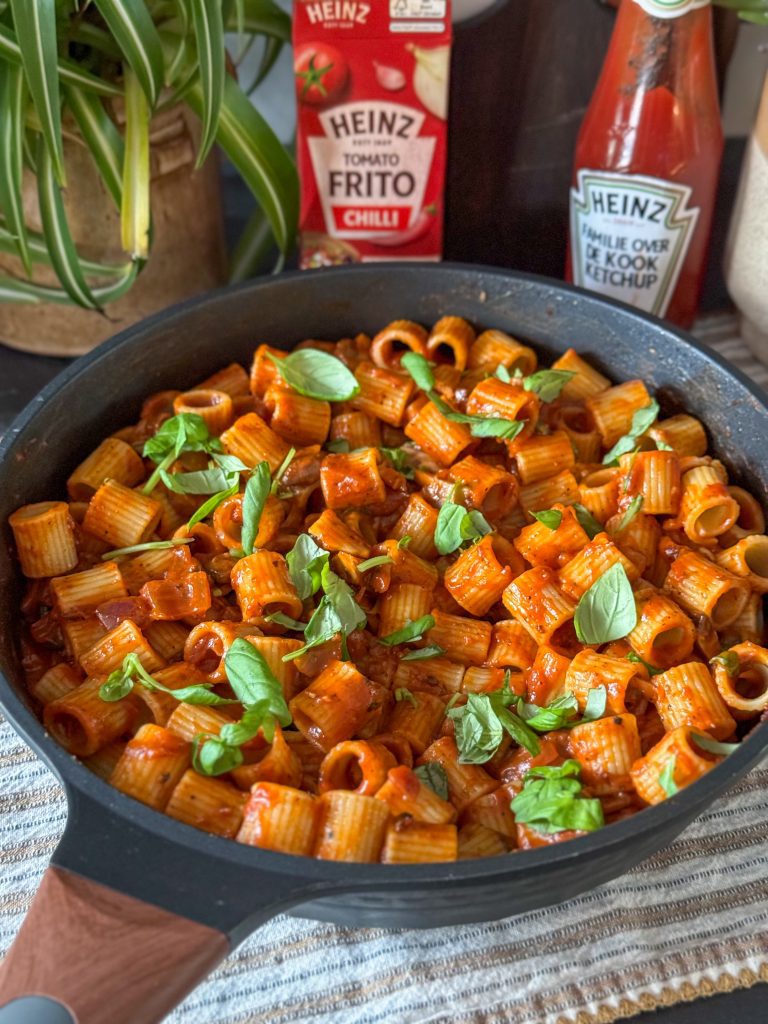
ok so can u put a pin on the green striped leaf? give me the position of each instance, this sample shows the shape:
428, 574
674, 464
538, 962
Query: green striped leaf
134, 212
262, 17
131, 24
253, 248
56, 231
69, 71
101, 137
13, 290
209, 35
35, 25
12, 100
39, 254
273, 47
260, 158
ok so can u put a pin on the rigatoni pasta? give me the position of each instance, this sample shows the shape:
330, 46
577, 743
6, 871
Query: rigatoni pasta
403, 600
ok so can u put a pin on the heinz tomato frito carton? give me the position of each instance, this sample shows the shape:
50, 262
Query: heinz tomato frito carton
372, 91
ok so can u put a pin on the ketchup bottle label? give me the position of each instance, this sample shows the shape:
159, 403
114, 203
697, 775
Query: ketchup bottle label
630, 236
670, 8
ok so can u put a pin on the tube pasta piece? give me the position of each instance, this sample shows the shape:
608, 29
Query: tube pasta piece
408, 567
440, 438
747, 688
264, 371
112, 460
45, 539
402, 603
355, 765
418, 721
167, 638
418, 521
147, 565
751, 518
706, 508
493, 348
207, 644
189, 721
83, 723
252, 441
80, 635
352, 827
389, 345
173, 599
335, 706
577, 424
58, 681
613, 409
588, 670
450, 340
599, 493
297, 419
213, 407
411, 842
463, 640
277, 762
703, 588
638, 539
384, 393
559, 489
606, 749
683, 433
678, 748
664, 635
489, 488
537, 602
655, 477
273, 649
543, 456
492, 397
263, 585
358, 429
440, 671
80, 593
493, 811
592, 562
466, 782
405, 793
687, 695
750, 625
103, 762
587, 382
748, 557
352, 480
280, 818
209, 804
511, 646
477, 579
120, 516
475, 840
546, 678
107, 654
232, 380
334, 534
151, 766
539, 544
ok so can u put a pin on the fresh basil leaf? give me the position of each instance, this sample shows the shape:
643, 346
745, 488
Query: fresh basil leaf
287, 621
714, 746
478, 730
212, 504
371, 563
662, 446
254, 682
587, 521
569, 769
403, 693
117, 685
399, 459
434, 777
419, 369
150, 545
652, 670
634, 507
324, 624
517, 729
548, 384
317, 374
230, 463
448, 532
557, 714
607, 610
422, 653
212, 756
280, 473
502, 373
235, 734
120, 683
551, 800
405, 541
305, 563
551, 517
185, 432
730, 662
340, 446
410, 632
197, 695
479, 426
642, 420
597, 699
255, 496
667, 778
340, 594
204, 481
452, 702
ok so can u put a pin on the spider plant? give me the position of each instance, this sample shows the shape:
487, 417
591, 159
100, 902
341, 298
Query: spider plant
67, 66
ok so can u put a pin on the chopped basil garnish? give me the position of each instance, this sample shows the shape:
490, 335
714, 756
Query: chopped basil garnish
548, 384
455, 525
120, 683
306, 561
714, 746
662, 446
287, 621
337, 612
562, 712
642, 420
371, 563
186, 432
667, 778
419, 369
433, 776
150, 545
502, 373
212, 504
340, 446
281, 470
587, 521
405, 541
551, 800
607, 610
634, 507
256, 493
422, 653
550, 517
403, 693
317, 374
480, 725
399, 459
652, 670
410, 632
730, 662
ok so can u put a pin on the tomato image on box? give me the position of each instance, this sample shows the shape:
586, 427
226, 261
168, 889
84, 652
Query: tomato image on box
372, 94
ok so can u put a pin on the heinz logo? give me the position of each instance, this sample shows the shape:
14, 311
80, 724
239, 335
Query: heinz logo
338, 10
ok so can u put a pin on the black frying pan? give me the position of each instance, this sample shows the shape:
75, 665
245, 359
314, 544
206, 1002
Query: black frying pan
126, 879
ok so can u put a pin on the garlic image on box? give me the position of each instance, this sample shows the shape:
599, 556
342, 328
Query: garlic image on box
746, 255
430, 77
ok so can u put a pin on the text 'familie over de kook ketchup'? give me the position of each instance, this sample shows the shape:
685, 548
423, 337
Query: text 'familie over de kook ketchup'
647, 161
372, 97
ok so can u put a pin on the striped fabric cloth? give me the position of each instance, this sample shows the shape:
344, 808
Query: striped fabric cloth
690, 921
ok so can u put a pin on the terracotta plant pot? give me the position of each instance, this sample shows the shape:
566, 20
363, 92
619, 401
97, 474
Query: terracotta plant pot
187, 257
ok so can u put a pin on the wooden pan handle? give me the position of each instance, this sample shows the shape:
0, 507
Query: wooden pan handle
107, 957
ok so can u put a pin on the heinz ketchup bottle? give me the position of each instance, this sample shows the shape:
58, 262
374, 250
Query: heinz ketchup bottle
647, 161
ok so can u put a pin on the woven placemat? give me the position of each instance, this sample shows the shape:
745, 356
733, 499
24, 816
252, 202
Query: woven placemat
690, 921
